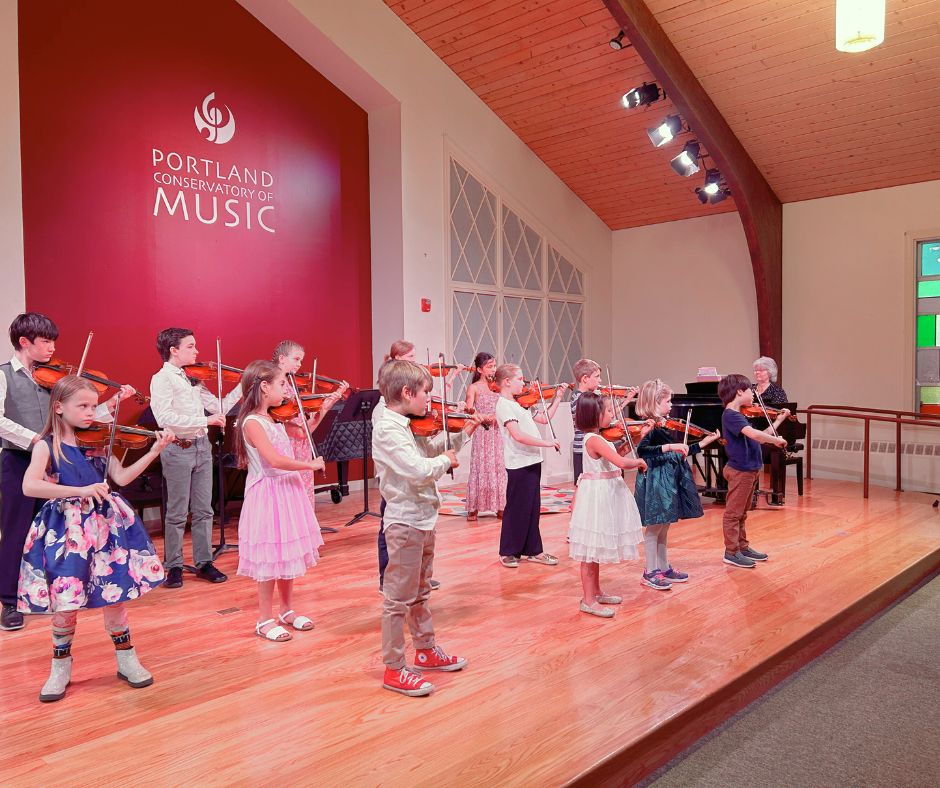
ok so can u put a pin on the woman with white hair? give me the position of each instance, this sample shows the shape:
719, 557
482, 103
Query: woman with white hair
765, 373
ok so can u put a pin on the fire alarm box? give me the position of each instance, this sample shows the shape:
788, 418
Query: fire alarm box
425, 304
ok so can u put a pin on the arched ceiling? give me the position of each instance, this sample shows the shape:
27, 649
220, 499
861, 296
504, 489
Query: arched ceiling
817, 122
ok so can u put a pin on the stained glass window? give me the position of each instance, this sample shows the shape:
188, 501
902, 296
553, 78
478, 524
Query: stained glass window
927, 372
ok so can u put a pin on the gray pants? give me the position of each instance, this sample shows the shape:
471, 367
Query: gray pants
187, 474
407, 586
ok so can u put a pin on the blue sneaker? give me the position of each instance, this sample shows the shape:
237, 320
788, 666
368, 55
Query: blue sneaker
754, 555
675, 576
655, 580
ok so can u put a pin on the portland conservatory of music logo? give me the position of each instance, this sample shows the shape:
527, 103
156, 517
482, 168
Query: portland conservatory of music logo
210, 119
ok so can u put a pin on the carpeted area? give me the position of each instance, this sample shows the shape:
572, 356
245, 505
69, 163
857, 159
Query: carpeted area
865, 713
553, 500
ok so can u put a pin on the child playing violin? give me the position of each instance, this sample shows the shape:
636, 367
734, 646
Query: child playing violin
24, 406
605, 524
86, 548
587, 377
179, 403
278, 534
407, 477
486, 486
289, 356
520, 536
667, 492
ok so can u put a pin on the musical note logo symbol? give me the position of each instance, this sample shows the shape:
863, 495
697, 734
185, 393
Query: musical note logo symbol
210, 119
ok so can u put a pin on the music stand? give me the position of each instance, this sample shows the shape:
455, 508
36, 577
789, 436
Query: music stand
222, 546
358, 415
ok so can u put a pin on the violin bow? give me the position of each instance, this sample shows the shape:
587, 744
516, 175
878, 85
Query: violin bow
548, 418
81, 364
688, 421
623, 420
114, 424
300, 410
443, 406
218, 354
773, 429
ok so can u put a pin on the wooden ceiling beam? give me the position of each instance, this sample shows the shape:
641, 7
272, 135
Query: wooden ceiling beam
760, 209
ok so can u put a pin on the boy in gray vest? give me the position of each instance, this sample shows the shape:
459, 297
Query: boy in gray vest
23, 409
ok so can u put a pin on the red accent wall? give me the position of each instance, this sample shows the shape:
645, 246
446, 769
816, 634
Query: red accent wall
104, 83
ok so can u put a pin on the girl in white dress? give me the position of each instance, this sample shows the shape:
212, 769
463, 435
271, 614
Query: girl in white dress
605, 524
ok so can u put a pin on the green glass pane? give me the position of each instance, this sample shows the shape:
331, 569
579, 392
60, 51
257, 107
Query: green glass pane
928, 289
926, 331
930, 395
929, 259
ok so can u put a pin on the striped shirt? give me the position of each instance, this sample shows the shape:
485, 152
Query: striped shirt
577, 447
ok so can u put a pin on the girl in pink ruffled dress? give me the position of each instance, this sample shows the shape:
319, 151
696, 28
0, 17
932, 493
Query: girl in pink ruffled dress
278, 533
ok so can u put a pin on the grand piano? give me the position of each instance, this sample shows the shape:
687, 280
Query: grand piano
702, 400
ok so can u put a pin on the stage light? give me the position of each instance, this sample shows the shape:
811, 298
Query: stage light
686, 162
616, 43
712, 191
860, 24
644, 95
665, 131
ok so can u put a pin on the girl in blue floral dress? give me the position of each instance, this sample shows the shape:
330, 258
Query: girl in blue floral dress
86, 547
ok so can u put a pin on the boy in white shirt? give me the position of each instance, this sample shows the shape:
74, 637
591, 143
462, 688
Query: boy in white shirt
407, 479
179, 404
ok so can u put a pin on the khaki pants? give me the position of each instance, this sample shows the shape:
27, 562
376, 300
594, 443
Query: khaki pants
741, 488
407, 587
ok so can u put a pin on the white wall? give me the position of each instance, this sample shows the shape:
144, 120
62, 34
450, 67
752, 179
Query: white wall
683, 295
364, 48
848, 314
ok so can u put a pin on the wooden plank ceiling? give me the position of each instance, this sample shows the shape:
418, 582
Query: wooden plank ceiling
817, 122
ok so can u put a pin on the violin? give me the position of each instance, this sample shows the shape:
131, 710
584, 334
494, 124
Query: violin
620, 392
97, 436
615, 432
50, 373
679, 425
756, 412
439, 370
324, 385
208, 370
491, 382
434, 404
535, 394
429, 425
287, 410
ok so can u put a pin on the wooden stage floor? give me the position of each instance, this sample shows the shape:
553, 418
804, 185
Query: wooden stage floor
551, 696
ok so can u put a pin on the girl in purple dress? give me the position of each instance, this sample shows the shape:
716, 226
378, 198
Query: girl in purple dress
486, 487
278, 534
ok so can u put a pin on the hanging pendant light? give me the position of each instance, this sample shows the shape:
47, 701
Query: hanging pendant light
860, 24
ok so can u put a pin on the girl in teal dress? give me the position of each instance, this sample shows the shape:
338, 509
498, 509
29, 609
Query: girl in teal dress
86, 548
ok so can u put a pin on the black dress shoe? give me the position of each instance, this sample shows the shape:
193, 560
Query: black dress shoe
208, 572
10, 619
174, 578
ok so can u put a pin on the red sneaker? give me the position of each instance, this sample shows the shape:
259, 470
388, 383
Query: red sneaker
436, 659
406, 682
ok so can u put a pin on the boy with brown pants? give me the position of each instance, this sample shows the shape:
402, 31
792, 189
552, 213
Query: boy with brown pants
743, 468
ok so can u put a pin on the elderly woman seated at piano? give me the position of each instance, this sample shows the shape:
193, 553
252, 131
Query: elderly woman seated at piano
765, 373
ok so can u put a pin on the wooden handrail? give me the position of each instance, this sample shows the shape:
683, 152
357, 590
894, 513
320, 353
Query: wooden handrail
865, 414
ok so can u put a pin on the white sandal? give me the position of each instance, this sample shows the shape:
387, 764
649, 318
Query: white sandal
274, 633
302, 623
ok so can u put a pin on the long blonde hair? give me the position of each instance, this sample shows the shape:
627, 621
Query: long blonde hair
55, 425
651, 394
256, 373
